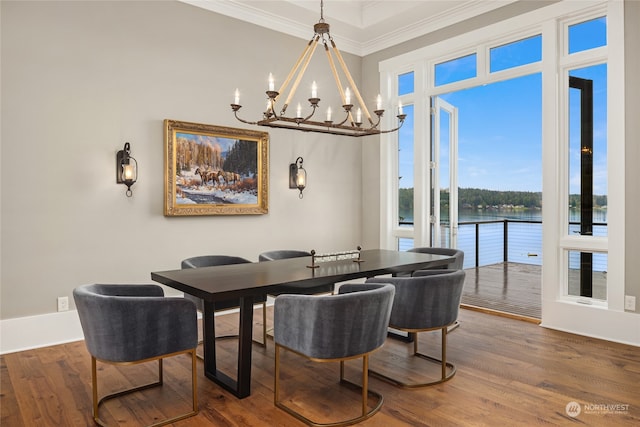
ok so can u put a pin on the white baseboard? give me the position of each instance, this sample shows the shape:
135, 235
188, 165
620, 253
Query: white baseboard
26, 333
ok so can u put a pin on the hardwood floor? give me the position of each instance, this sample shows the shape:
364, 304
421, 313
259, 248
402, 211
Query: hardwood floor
509, 373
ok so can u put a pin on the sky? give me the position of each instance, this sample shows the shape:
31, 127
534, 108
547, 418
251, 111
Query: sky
500, 124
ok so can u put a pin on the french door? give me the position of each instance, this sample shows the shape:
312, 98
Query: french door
444, 174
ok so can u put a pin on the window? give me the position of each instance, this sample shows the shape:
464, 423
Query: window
405, 83
514, 54
587, 275
588, 151
406, 169
588, 35
455, 70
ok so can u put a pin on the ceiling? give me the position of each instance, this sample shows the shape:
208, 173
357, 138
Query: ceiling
360, 27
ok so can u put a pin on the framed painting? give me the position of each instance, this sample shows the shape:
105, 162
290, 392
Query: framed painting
214, 170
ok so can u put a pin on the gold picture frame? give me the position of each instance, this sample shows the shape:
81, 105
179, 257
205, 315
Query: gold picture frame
214, 170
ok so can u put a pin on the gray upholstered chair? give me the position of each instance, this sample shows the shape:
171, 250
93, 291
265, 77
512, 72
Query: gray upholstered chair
291, 289
426, 302
213, 260
457, 264
330, 328
129, 324
458, 255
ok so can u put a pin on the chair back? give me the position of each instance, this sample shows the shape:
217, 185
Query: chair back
282, 254
307, 289
458, 255
126, 323
428, 301
351, 323
211, 260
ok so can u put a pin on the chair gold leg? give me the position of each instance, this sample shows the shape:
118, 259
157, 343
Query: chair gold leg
97, 403
264, 324
365, 383
276, 377
448, 370
453, 327
194, 382
366, 413
94, 390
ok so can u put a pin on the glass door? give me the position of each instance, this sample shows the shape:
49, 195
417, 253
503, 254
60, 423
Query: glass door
444, 174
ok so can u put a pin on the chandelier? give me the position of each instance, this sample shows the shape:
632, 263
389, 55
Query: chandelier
351, 124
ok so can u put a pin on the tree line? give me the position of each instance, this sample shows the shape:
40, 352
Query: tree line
242, 158
483, 198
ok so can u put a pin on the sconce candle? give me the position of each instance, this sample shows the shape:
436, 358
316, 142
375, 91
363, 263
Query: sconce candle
314, 90
297, 176
379, 102
399, 107
126, 168
236, 99
347, 97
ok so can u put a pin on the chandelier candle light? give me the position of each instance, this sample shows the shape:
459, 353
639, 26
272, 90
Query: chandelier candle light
349, 126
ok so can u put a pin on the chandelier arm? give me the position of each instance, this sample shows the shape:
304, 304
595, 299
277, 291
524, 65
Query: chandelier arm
235, 113
377, 123
296, 65
272, 109
310, 115
345, 120
301, 72
392, 130
351, 82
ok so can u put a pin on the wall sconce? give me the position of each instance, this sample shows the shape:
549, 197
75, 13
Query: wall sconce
126, 168
297, 176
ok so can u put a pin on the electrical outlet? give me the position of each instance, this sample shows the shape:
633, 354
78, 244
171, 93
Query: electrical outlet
63, 303
630, 303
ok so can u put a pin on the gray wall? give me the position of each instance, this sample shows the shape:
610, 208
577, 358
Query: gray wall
81, 78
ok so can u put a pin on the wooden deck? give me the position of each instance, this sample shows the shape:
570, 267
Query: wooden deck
508, 288
515, 290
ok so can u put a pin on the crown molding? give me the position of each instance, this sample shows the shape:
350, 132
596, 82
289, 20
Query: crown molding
433, 23
360, 40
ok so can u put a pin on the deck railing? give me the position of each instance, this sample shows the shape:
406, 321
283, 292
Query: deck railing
503, 240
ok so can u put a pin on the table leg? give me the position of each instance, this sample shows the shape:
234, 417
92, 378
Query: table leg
245, 347
209, 338
241, 387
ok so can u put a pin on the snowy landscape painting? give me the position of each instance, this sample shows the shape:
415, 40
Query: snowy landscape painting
213, 170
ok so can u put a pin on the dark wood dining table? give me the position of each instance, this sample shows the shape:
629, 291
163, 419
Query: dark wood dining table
247, 281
